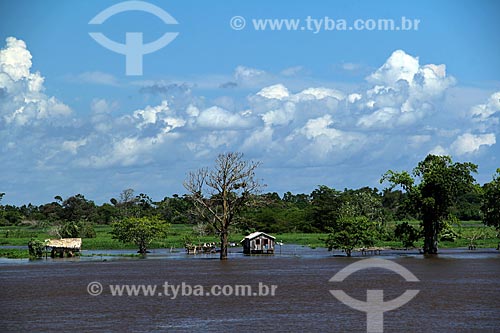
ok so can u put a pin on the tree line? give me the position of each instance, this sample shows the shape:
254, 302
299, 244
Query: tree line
270, 212
228, 197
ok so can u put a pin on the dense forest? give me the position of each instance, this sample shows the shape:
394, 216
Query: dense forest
439, 193
269, 212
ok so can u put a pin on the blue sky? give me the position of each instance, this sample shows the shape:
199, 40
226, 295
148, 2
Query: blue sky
334, 107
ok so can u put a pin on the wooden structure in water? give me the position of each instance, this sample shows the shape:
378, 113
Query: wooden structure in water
258, 243
63, 246
200, 249
370, 250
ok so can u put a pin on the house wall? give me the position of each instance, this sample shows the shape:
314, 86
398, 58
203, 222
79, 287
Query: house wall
260, 243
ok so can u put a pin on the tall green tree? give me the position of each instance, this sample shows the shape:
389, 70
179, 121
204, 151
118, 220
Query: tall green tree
491, 201
126, 204
78, 208
175, 209
107, 213
140, 230
350, 232
433, 188
468, 206
326, 206
364, 202
9, 214
220, 193
299, 200
269, 213
407, 234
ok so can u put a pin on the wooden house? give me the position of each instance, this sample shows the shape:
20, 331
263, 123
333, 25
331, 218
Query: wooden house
258, 243
62, 246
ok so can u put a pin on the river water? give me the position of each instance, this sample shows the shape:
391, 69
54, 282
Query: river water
459, 292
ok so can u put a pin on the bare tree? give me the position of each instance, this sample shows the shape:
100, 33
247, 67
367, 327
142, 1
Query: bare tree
127, 196
219, 193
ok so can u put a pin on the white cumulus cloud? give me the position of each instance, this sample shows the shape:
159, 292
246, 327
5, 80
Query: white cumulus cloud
97, 78
159, 114
23, 101
469, 143
399, 66
218, 118
277, 91
403, 93
487, 113
282, 119
15, 59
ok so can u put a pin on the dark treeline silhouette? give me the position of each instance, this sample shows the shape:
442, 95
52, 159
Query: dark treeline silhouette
271, 212
226, 198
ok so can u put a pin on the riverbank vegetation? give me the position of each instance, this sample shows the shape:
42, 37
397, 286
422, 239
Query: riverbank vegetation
482, 236
326, 217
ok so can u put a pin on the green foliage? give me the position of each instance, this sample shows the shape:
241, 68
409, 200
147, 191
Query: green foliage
365, 202
403, 179
407, 234
351, 232
468, 206
140, 230
314, 213
441, 183
491, 202
9, 215
447, 232
436, 188
300, 201
36, 248
397, 205
70, 229
17, 232
271, 214
106, 214
175, 209
188, 240
14, 253
482, 236
130, 205
87, 230
77, 208
326, 208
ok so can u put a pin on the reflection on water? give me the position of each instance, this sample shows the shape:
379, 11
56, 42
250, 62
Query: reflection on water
459, 292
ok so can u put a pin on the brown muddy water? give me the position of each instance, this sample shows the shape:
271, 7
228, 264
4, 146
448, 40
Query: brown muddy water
459, 292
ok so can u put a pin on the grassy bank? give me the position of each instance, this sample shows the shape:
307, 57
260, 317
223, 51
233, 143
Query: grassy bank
14, 253
21, 235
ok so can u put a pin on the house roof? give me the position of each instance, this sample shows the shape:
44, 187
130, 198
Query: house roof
67, 243
257, 234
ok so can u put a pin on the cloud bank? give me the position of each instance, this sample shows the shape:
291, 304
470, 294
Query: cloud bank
320, 134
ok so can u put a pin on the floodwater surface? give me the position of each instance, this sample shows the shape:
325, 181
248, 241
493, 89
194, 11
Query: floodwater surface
457, 293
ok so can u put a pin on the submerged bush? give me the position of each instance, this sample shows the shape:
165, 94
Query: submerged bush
36, 248
407, 234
